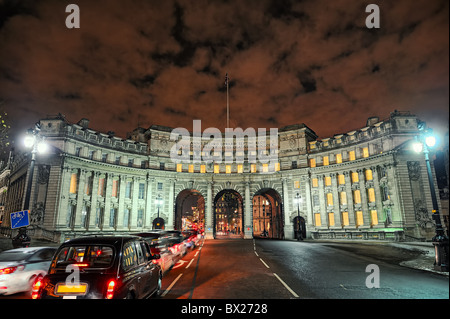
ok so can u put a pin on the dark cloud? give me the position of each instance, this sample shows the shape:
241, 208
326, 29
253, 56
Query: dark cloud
164, 62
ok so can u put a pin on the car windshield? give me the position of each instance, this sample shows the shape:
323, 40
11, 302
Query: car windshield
92, 256
15, 255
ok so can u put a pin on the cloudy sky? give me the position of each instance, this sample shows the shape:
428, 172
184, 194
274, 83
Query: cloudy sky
164, 62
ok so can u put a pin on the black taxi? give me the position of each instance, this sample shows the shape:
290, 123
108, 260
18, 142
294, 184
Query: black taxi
101, 267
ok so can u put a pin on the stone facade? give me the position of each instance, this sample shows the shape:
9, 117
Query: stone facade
365, 183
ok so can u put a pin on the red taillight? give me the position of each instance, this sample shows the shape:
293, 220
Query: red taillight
110, 289
36, 292
7, 270
81, 265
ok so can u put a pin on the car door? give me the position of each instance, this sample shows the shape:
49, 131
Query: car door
145, 272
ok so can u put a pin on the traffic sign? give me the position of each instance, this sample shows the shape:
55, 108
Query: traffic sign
20, 219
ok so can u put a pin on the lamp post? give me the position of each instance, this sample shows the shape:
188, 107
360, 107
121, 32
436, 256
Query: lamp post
298, 200
440, 240
36, 143
159, 202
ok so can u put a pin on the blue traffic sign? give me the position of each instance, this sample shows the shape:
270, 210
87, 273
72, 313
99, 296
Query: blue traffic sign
20, 219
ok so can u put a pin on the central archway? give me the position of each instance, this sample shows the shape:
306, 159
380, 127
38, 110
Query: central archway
267, 214
228, 215
190, 210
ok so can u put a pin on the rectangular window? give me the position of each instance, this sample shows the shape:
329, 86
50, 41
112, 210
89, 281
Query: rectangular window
240, 168
343, 198
128, 190
228, 169
341, 179
351, 155
202, 168
317, 220
101, 187
338, 158
327, 181
359, 218
355, 177
73, 183
88, 185
140, 217
369, 175
296, 184
365, 152
115, 187
112, 217
160, 186
216, 169
315, 182
141, 191
126, 217
373, 217
345, 221
253, 168
371, 195
191, 168
329, 199
330, 219
277, 167
326, 161
179, 168
356, 196
312, 162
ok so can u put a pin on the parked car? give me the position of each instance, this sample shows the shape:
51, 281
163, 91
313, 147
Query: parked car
192, 238
158, 241
19, 268
176, 244
101, 268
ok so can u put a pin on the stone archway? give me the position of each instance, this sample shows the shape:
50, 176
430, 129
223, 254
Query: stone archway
228, 214
268, 219
189, 210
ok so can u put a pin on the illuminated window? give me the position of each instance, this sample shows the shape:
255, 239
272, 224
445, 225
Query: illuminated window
327, 181
371, 195
329, 199
191, 168
253, 168
202, 168
312, 162
355, 177
115, 187
338, 158
345, 221
317, 220
73, 183
315, 182
240, 168
343, 198
216, 169
373, 217
369, 175
326, 161
330, 219
351, 155
357, 196
365, 152
277, 167
101, 187
341, 179
265, 168
359, 218
296, 184
179, 167
228, 169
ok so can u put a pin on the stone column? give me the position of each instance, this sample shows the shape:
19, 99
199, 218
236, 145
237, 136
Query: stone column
248, 217
209, 232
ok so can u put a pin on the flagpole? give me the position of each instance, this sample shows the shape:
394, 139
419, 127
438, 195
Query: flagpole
228, 105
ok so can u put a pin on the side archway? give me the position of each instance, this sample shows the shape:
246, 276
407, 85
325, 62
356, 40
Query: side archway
268, 219
189, 210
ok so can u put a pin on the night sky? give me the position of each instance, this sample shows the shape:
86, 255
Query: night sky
164, 62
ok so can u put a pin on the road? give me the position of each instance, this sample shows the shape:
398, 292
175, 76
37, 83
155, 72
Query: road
271, 269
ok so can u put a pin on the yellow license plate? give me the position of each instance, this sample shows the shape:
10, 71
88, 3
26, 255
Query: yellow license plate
63, 289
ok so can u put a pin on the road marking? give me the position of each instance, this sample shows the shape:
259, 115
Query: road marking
196, 254
264, 263
342, 286
179, 264
189, 263
256, 253
286, 286
171, 285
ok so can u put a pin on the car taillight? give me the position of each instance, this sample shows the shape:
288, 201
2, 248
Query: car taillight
7, 270
36, 292
110, 289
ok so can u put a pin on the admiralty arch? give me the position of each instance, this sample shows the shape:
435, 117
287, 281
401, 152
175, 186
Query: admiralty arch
366, 183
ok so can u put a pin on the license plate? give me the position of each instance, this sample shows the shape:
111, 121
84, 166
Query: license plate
63, 289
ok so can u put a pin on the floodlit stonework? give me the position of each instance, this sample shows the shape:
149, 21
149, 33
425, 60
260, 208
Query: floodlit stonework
366, 183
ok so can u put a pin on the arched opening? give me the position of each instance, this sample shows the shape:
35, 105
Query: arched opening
228, 214
267, 214
299, 228
190, 210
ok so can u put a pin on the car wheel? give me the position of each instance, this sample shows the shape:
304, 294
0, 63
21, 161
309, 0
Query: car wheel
31, 282
158, 287
130, 295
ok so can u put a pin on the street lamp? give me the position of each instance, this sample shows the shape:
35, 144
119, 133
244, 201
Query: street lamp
159, 202
36, 143
440, 240
298, 201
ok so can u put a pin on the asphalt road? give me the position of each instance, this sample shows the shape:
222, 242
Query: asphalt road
271, 269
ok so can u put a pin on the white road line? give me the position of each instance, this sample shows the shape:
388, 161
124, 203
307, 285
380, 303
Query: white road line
256, 253
171, 285
285, 285
189, 263
196, 254
264, 263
